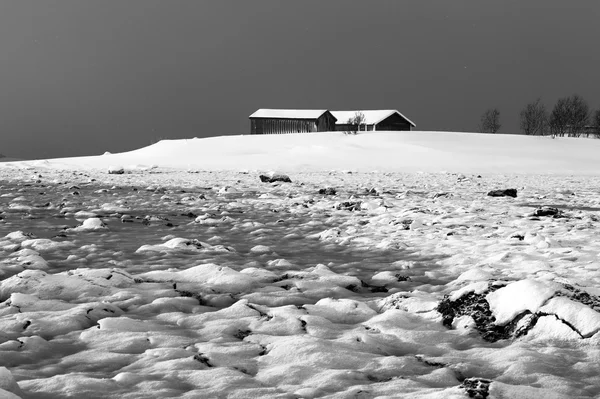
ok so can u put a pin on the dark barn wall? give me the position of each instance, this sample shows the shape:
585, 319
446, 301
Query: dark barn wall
349, 128
394, 122
326, 123
282, 126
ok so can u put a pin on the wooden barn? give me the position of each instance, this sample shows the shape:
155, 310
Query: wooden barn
385, 119
281, 121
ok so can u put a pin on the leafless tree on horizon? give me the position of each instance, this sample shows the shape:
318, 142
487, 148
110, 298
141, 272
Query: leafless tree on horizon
534, 118
490, 121
569, 116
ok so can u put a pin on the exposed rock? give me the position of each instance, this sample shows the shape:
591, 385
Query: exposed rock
442, 195
115, 170
509, 192
275, 178
477, 388
548, 211
328, 191
581, 296
349, 206
477, 307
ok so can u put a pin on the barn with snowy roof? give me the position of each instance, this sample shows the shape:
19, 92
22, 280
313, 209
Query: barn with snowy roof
384, 119
281, 121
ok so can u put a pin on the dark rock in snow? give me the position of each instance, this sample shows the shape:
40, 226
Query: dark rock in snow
509, 192
328, 191
190, 215
275, 178
402, 277
404, 224
478, 388
581, 296
442, 194
477, 307
116, 171
348, 206
548, 211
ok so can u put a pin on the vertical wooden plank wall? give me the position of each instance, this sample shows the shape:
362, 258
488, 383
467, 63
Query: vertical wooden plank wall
283, 126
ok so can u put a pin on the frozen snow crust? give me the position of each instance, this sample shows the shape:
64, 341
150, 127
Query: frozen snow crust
184, 283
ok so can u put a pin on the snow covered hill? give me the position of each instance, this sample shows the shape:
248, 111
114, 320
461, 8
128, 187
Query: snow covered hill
232, 282
383, 151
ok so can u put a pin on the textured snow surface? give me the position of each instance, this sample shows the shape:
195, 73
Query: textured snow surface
173, 283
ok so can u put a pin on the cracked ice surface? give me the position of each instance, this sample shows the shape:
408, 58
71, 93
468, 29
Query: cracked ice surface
174, 284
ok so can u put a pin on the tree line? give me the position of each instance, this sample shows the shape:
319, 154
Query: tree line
570, 117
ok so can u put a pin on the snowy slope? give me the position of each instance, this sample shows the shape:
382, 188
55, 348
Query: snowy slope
383, 151
163, 283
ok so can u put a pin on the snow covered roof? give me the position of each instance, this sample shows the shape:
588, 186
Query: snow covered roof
288, 113
372, 117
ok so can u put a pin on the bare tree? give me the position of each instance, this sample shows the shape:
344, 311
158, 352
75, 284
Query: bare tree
355, 122
569, 116
534, 118
596, 123
490, 121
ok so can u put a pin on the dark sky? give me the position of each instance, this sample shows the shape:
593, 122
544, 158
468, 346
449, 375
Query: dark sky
81, 77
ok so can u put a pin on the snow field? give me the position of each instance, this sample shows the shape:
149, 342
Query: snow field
161, 283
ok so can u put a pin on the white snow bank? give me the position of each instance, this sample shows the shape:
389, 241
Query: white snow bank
91, 224
507, 302
382, 151
220, 278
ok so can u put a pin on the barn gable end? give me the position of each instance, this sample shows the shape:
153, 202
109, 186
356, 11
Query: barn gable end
389, 119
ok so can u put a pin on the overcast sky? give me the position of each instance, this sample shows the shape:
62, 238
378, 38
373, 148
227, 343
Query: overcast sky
81, 77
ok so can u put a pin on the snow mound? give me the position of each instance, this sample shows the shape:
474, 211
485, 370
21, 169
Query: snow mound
220, 278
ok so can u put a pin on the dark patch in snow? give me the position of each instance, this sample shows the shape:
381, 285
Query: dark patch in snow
548, 211
189, 294
364, 284
241, 334
328, 191
431, 363
404, 224
478, 388
303, 324
477, 307
352, 287
348, 206
275, 178
581, 296
27, 324
260, 312
264, 351
202, 359
402, 277
442, 195
509, 192
374, 378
